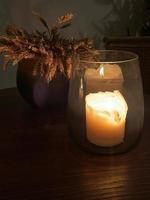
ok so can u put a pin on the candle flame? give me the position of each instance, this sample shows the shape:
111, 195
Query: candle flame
81, 89
101, 72
81, 83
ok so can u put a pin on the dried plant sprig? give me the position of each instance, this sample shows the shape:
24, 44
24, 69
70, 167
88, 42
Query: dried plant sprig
65, 18
53, 52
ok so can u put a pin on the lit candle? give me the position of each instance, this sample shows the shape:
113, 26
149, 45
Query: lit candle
105, 118
107, 77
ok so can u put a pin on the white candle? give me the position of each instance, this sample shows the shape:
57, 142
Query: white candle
105, 118
106, 78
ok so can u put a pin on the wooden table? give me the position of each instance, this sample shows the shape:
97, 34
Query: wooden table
39, 161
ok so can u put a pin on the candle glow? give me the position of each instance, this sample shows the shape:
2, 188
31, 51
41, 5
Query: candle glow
101, 72
105, 118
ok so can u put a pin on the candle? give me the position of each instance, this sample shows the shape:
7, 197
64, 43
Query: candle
107, 77
105, 118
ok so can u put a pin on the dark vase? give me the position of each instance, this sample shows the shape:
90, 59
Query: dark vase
37, 91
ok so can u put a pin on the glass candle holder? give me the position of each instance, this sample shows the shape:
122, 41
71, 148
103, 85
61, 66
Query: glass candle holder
106, 108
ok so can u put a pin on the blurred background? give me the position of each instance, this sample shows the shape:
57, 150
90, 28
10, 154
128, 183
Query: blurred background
94, 18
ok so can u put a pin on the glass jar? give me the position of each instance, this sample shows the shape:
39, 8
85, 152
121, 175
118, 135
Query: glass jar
106, 108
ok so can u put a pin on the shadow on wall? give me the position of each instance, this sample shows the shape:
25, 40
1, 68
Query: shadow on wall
8, 78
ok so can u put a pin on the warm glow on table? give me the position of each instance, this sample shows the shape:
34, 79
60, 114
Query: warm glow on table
105, 118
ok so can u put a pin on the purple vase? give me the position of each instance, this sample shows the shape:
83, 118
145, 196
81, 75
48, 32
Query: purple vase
37, 91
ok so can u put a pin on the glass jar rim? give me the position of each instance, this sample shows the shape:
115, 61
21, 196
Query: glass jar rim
133, 56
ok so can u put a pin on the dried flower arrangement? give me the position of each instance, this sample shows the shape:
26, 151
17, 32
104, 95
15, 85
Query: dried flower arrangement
52, 51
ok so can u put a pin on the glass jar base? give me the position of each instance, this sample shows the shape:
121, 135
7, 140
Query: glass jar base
94, 149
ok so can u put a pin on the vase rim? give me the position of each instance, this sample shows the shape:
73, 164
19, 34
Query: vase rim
127, 56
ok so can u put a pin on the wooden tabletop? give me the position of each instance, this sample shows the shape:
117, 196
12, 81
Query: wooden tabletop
38, 160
